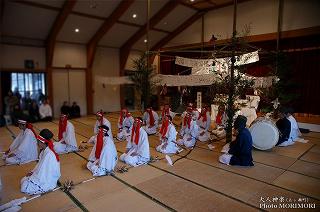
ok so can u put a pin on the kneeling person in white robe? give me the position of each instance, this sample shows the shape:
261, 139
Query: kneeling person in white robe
203, 122
101, 120
190, 133
24, 148
137, 152
103, 157
151, 119
168, 135
125, 124
67, 137
165, 111
45, 175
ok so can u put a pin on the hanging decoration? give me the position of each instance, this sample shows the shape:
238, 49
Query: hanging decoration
218, 65
186, 80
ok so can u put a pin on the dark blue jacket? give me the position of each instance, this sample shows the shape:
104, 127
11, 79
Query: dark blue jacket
241, 148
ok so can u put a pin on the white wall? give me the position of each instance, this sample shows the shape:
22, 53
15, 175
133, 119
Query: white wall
13, 56
70, 54
106, 64
260, 15
299, 14
132, 56
77, 89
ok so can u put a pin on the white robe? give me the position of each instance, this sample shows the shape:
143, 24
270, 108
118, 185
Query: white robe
96, 129
191, 134
108, 158
69, 137
295, 132
204, 127
24, 147
44, 176
142, 150
146, 118
170, 140
125, 129
45, 111
172, 114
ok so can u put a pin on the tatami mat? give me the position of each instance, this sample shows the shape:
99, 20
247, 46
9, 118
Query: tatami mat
107, 193
184, 196
73, 168
275, 160
294, 151
11, 177
140, 174
299, 183
306, 168
313, 157
124, 200
53, 201
196, 183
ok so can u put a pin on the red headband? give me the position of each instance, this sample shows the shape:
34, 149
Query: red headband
50, 145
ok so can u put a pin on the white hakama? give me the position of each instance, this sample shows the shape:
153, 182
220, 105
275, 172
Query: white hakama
204, 126
226, 157
69, 138
168, 144
151, 129
44, 176
125, 129
189, 135
141, 150
24, 147
107, 161
295, 132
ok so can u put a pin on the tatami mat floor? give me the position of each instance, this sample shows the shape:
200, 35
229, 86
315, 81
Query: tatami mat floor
195, 183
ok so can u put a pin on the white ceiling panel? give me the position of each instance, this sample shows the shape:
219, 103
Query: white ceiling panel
53, 3
25, 21
139, 7
175, 18
101, 8
87, 28
154, 37
118, 35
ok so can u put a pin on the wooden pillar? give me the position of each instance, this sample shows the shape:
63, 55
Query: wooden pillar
89, 90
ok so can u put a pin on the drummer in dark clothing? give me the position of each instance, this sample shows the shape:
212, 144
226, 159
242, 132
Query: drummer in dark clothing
284, 126
240, 150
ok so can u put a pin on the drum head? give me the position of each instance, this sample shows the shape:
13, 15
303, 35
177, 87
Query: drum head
265, 134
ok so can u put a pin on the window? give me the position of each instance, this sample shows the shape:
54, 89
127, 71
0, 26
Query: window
31, 82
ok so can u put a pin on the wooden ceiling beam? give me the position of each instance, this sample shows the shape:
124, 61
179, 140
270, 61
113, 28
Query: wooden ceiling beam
252, 38
57, 25
92, 46
51, 41
105, 27
125, 49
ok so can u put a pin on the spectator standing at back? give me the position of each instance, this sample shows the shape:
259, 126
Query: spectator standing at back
45, 111
10, 101
17, 93
39, 96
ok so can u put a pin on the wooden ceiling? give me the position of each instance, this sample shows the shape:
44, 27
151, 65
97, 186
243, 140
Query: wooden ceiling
30, 22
